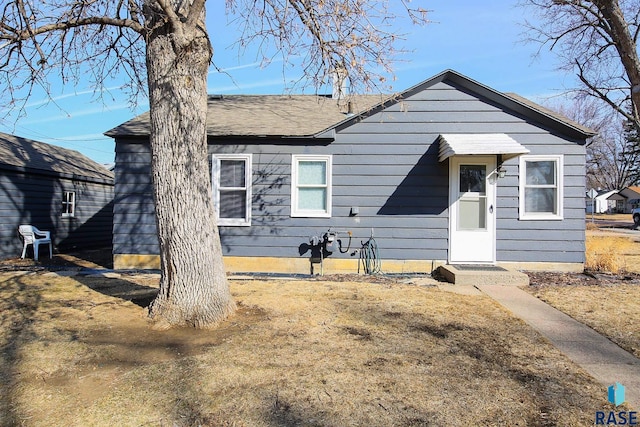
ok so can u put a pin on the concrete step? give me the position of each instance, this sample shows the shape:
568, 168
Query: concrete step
474, 275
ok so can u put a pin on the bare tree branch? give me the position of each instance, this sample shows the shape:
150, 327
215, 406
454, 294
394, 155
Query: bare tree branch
57, 36
596, 39
357, 38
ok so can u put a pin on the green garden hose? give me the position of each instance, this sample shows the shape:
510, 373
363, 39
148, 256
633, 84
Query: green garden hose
370, 257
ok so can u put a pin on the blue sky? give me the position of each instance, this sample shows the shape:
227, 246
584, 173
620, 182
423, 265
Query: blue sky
477, 39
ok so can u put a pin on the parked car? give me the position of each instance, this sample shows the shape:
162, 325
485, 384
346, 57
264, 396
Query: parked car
635, 213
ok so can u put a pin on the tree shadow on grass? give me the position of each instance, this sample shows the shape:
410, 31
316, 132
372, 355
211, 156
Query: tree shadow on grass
18, 307
120, 288
94, 259
490, 351
34, 309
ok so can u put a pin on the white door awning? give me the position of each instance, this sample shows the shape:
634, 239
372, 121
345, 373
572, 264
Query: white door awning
459, 144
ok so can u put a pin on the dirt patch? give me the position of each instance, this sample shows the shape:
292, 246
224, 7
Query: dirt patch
92, 259
552, 279
130, 344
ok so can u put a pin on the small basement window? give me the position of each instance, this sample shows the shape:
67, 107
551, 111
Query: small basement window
68, 204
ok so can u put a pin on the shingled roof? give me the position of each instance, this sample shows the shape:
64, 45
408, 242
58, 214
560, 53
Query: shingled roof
26, 155
284, 116
266, 115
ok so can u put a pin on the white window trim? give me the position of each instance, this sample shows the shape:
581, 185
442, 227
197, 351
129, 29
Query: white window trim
307, 213
72, 203
559, 160
215, 180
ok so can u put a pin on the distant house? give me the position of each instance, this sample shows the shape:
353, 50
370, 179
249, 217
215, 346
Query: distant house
601, 203
448, 171
626, 199
54, 189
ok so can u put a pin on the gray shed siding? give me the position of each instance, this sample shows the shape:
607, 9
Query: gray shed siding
387, 166
36, 198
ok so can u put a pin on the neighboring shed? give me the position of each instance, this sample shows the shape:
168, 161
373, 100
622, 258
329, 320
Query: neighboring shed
54, 189
448, 171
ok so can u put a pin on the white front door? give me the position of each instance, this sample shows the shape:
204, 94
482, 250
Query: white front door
472, 208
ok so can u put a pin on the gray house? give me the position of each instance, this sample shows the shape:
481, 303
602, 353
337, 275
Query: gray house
448, 171
54, 189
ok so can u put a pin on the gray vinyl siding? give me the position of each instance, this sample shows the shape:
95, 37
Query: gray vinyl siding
544, 241
134, 226
387, 166
36, 199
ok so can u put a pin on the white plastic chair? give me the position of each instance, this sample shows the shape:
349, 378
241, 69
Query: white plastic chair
32, 236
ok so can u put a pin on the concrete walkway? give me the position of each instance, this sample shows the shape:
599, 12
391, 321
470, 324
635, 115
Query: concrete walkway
601, 358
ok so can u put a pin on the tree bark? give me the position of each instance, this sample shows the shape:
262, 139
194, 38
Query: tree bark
193, 287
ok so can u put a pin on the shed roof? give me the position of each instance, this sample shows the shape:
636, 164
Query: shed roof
17, 153
313, 115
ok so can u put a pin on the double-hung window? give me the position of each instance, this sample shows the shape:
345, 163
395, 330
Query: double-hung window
541, 185
231, 179
68, 204
311, 186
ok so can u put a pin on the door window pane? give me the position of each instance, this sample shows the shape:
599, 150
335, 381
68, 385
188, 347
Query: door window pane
473, 214
473, 178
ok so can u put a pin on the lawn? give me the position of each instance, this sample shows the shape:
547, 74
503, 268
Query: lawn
348, 350
79, 351
611, 307
609, 303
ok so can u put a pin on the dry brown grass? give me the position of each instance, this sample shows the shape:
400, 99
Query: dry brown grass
592, 226
298, 353
608, 304
607, 253
612, 310
619, 217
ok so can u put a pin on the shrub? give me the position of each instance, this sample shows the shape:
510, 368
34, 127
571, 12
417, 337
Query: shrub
604, 253
592, 226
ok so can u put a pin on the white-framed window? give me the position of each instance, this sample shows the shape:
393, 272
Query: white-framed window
68, 204
541, 184
231, 179
311, 186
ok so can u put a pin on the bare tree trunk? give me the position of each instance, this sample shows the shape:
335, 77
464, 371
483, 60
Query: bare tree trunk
193, 287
